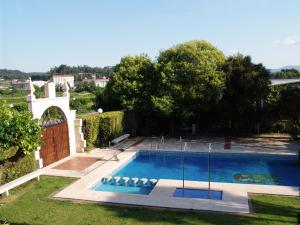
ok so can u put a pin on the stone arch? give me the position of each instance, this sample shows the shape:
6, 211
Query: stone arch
40, 105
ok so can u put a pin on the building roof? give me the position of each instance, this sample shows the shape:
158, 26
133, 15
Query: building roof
284, 81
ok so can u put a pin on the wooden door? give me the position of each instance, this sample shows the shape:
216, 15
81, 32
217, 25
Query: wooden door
55, 143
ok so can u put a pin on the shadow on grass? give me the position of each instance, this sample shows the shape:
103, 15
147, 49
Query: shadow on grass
265, 213
4, 222
276, 208
36, 201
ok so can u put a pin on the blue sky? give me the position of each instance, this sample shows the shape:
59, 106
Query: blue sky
38, 34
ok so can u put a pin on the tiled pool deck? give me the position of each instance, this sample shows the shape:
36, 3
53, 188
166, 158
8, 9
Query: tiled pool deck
235, 196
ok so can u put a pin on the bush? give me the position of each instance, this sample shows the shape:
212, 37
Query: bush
18, 130
12, 171
81, 105
20, 135
8, 153
22, 106
99, 129
86, 86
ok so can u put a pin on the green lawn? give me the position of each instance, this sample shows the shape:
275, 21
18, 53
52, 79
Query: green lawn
31, 204
83, 94
13, 98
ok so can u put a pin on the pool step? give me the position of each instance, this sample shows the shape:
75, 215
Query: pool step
127, 181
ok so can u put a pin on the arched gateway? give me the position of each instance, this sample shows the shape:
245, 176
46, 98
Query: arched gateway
58, 122
55, 136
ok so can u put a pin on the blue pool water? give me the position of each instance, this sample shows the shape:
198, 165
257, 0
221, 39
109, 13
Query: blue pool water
197, 193
123, 189
225, 167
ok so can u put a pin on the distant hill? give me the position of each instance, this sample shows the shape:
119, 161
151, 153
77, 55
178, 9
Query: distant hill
296, 67
13, 74
17, 74
79, 72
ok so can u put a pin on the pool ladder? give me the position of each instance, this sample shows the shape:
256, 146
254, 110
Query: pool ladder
157, 145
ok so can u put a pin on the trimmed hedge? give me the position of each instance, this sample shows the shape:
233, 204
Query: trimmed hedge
12, 171
4, 155
99, 129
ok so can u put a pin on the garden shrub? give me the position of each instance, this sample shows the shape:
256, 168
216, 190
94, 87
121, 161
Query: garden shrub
20, 136
21, 106
10, 152
99, 129
18, 130
83, 105
11, 171
91, 129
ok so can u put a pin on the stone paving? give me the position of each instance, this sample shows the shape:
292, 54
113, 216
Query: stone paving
99, 156
240, 145
77, 163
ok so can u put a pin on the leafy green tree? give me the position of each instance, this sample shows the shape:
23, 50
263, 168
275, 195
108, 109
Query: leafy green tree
80, 72
80, 105
86, 86
190, 79
19, 133
289, 106
39, 91
247, 88
99, 92
271, 105
131, 82
287, 74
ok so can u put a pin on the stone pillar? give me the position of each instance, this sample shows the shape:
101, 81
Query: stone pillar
50, 90
80, 142
39, 161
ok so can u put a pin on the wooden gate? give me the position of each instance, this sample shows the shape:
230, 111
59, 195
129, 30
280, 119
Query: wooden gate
55, 143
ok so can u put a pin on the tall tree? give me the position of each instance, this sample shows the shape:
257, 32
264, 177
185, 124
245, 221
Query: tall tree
289, 107
247, 87
190, 79
130, 84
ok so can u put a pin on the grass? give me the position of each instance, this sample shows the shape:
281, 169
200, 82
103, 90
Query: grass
31, 204
83, 94
13, 97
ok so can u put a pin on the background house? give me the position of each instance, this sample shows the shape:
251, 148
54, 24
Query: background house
99, 82
59, 79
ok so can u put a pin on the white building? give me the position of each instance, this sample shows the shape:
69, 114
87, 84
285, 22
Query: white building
59, 79
99, 82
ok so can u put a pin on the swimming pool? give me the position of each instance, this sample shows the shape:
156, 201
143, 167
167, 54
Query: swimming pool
122, 189
225, 167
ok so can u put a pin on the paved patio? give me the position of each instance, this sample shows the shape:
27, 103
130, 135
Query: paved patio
77, 163
239, 145
80, 164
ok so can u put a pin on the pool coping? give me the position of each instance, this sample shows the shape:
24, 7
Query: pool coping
235, 196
